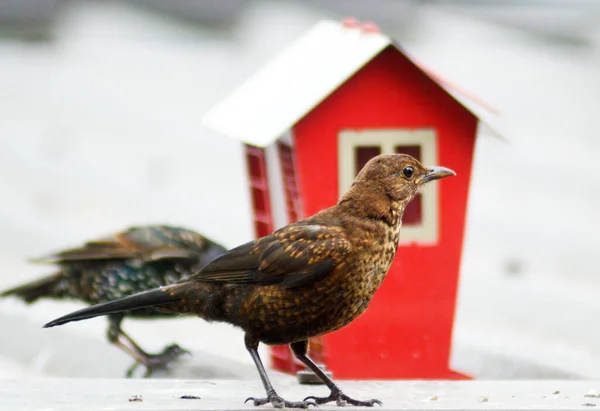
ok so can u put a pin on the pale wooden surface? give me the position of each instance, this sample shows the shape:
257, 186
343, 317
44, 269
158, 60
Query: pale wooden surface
114, 394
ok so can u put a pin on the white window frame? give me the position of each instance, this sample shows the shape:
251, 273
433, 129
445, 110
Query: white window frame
428, 231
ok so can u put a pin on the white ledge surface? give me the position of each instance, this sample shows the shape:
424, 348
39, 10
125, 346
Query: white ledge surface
164, 394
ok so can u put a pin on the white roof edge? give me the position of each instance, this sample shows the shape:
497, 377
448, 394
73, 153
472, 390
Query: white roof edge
310, 69
487, 119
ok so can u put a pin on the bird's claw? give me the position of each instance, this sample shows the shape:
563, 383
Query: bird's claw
342, 399
160, 361
279, 402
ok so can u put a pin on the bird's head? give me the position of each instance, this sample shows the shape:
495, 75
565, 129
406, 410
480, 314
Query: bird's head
399, 175
392, 178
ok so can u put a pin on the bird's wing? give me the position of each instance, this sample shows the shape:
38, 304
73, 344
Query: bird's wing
292, 256
150, 243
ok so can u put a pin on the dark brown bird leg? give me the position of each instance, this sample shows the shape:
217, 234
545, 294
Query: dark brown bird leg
300, 350
272, 396
152, 362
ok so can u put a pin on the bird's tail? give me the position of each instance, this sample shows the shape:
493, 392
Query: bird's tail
50, 286
152, 298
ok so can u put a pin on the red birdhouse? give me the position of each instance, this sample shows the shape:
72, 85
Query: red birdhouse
311, 119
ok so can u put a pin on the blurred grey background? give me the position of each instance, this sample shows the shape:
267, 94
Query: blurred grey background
100, 108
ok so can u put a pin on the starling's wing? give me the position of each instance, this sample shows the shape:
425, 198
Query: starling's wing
149, 243
292, 256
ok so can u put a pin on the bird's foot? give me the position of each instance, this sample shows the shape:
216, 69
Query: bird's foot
279, 402
157, 362
342, 399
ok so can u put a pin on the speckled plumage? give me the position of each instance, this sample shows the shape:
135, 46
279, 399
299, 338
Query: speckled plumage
135, 260
306, 279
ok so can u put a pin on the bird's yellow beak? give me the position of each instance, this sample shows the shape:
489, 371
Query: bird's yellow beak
435, 173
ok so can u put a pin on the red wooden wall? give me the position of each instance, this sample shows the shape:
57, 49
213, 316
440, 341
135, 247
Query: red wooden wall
407, 329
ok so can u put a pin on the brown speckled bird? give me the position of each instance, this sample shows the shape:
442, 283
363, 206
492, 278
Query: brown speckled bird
304, 280
137, 259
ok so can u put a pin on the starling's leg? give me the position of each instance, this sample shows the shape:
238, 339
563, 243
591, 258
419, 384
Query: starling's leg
300, 349
272, 397
114, 333
152, 362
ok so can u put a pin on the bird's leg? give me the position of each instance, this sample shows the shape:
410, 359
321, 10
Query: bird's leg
300, 350
152, 362
272, 396
114, 337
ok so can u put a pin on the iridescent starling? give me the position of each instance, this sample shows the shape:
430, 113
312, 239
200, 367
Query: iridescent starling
304, 280
135, 260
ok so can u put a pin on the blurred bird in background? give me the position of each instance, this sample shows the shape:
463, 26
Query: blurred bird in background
137, 259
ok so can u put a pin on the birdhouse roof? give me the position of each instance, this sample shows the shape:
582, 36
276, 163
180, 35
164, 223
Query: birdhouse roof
272, 100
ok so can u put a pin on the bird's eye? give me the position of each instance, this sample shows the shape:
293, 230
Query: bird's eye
408, 172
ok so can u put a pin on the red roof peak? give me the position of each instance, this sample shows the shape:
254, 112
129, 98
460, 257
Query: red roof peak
351, 22
354, 23
370, 27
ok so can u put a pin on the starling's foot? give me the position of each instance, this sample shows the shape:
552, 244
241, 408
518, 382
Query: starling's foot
279, 402
342, 399
156, 362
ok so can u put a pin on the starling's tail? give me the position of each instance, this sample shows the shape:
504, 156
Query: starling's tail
144, 299
51, 286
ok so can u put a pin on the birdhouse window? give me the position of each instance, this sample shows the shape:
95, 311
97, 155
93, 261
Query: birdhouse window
413, 214
362, 154
356, 148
